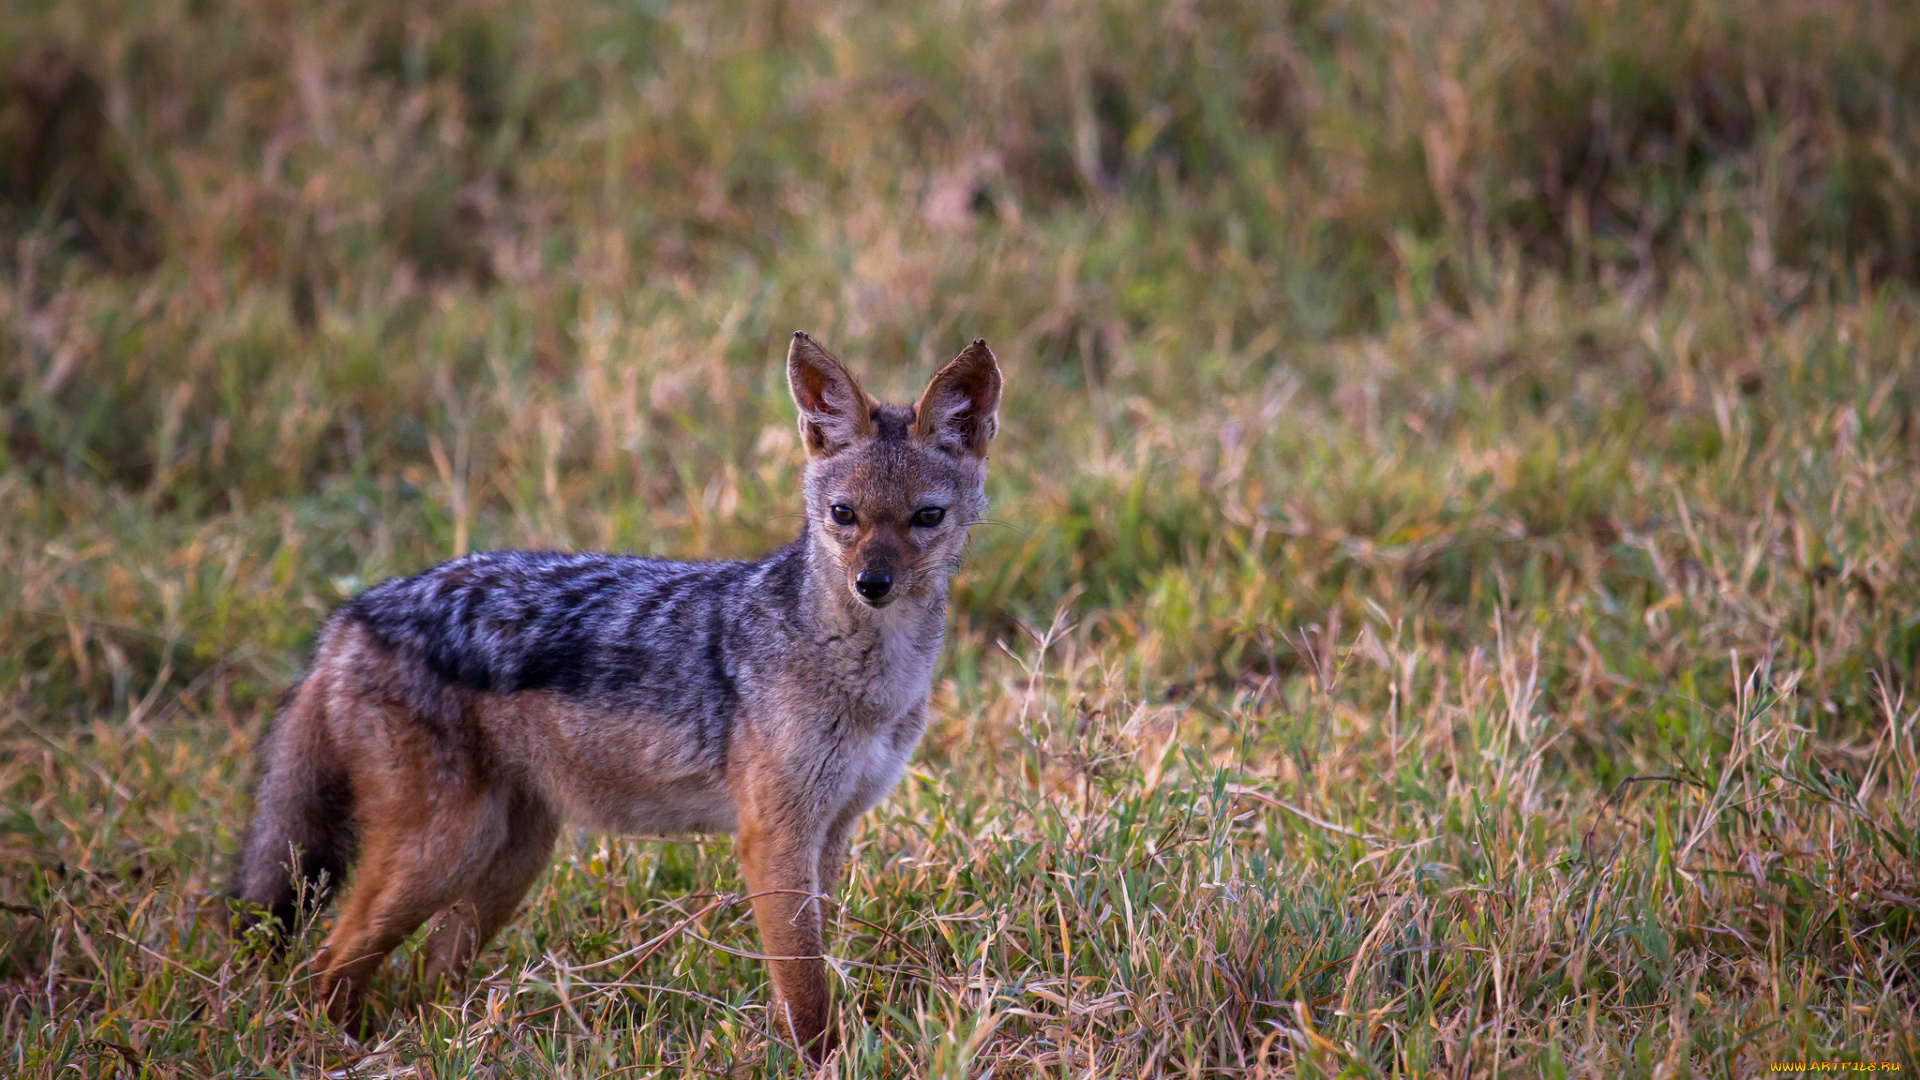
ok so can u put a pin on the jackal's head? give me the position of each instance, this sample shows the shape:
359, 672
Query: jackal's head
892, 489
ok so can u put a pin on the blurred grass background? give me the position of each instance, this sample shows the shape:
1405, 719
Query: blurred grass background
1450, 605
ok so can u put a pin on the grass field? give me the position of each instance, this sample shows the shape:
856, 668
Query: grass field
1450, 607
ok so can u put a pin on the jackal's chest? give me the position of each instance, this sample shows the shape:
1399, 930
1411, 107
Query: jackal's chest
871, 761
873, 680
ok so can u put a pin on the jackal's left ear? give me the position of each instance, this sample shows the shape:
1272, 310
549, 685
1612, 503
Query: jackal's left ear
959, 410
834, 412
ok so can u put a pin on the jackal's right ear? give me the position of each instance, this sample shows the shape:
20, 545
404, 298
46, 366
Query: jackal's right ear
834, 412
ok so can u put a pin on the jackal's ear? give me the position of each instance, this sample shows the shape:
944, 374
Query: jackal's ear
834, 412
959, 410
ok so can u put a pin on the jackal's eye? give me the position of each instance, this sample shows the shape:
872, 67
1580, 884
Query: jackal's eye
843, 514
928, 516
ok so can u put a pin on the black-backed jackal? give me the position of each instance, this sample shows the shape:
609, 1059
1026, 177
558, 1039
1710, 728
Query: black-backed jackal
451, 722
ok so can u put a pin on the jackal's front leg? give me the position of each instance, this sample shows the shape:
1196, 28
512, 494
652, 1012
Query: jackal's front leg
778, 848
834, 851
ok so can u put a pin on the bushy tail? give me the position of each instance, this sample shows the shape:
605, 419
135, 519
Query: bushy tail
302, 829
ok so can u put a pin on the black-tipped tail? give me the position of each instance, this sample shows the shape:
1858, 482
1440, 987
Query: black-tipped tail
301, 839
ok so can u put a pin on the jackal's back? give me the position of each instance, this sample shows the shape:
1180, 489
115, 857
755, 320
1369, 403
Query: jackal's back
614, 632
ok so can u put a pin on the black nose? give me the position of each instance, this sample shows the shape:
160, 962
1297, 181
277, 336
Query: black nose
873, 584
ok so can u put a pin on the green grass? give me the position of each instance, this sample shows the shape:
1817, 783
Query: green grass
1450, 606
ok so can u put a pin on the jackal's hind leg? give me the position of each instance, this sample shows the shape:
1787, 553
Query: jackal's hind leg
489, 903
415, 863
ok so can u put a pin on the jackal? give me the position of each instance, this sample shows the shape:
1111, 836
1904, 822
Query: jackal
450, 723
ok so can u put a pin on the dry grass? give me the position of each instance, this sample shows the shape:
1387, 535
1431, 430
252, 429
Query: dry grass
1451, 602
